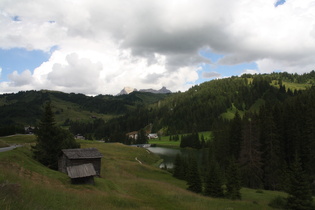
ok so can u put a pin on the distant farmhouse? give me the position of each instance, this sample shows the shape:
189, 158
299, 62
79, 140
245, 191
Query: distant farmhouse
153, 136
134, 135
79, 136
81, 165
148, 129
29, 129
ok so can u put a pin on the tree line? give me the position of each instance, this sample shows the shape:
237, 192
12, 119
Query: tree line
274, 148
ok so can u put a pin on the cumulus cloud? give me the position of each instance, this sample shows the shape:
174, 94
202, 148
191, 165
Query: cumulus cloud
25, 78
250, 71
77, 73
106, 45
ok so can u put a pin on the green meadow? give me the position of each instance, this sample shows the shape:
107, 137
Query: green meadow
124, 184
165, 141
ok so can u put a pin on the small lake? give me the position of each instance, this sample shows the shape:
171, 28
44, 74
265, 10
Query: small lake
168, 155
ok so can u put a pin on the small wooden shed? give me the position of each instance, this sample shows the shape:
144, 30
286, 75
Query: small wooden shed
79, 157
82, 174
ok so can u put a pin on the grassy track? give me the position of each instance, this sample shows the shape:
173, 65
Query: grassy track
124, 184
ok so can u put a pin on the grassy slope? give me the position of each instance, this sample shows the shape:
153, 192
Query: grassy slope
67, 110
3, 144
124, 183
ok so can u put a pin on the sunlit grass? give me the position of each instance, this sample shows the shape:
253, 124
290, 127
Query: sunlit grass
19, 139
165, 141
124, 183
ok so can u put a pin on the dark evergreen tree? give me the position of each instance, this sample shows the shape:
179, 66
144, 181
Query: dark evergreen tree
193, 176
221, 143
195, 140
300, 196
142, 137
250, 157
235, 139
51, 140
270, 148
179, 167
233, 181
213, 180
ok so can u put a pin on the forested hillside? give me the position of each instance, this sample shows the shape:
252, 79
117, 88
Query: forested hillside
263, 126
201, 106
25, 108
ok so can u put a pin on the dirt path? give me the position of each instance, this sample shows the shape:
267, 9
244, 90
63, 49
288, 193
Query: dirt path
4, 149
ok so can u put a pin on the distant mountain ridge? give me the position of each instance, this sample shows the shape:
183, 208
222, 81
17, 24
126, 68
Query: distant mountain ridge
127, 90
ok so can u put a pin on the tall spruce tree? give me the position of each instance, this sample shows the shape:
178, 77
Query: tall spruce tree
235, 139
213, 181
213, 177
142, 137
233, 181
193, 176
300, 196
270, 148
179, 167
250, 157
51, 140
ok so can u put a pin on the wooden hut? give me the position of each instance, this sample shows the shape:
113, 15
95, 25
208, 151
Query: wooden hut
77, 157
82, 174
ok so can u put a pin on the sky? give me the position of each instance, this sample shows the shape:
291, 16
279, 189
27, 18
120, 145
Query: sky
101, 46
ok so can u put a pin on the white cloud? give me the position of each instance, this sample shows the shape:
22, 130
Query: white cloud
25, 78
250, 71
106, 45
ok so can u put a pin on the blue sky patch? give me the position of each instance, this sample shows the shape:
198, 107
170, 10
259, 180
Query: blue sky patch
224, 70
16, 18
279, 2
19, 59
213, 71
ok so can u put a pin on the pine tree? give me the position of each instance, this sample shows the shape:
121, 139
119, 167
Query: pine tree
270, 147
213, 181
142, 137
179, 167
213, 178
250, 157
51, 140
300, 196
233, 181
193, 176
235, 139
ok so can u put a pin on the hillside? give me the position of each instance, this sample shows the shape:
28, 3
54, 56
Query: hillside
25, 107
199, 107
107, 116
124, 183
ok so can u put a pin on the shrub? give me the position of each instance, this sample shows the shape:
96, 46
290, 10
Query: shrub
278, 202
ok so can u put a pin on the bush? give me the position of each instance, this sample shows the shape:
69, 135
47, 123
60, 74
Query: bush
278, 202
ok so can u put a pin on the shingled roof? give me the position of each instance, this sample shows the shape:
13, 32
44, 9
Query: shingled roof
85, 153
80, 171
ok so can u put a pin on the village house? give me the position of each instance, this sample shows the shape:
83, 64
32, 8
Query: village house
81, 165
153, 136
79, 136
132, 135
29, 129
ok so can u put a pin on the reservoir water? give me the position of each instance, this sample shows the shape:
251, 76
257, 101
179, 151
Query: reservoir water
168, 155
